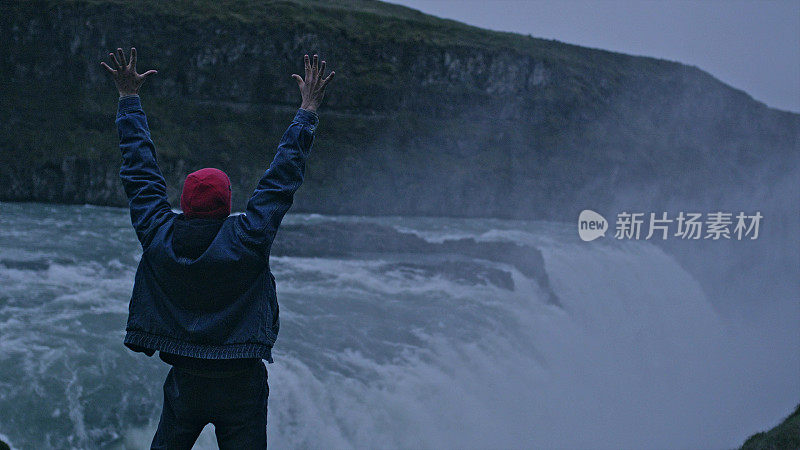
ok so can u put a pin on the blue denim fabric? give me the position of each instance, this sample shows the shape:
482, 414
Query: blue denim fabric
222, 305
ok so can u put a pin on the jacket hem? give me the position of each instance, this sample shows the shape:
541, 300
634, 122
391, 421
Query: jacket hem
135, 340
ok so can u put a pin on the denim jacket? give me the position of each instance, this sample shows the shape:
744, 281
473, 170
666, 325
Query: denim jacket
222, 304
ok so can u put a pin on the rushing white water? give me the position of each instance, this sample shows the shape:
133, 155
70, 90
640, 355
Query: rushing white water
390, 351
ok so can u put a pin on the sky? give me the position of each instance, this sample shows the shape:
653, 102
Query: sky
751, 45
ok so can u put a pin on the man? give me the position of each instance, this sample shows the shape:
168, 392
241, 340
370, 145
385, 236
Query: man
204, 296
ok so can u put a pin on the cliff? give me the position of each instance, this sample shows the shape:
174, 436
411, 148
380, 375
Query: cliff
426, 116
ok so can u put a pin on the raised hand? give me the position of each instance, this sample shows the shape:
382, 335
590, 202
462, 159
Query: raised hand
125, 76
312, 87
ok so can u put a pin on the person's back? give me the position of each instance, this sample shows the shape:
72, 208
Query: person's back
204, 296
191, 237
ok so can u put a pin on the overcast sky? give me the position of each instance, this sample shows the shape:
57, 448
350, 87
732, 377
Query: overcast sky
750, 45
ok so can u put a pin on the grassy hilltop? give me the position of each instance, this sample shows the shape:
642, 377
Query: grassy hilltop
785, 435
426, 116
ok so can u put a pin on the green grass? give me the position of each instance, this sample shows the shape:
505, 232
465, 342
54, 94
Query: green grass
785, 436
368, 20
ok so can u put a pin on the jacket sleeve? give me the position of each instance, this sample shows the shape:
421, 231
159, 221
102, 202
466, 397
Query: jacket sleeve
144, 185
274, 194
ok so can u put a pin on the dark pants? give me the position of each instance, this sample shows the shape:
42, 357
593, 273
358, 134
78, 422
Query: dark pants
236, 405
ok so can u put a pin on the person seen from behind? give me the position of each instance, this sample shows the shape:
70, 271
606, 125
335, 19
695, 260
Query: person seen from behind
204, 296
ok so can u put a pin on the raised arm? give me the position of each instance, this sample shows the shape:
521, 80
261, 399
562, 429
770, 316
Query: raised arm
144, 185
274, 194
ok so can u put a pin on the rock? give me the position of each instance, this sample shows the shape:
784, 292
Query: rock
426, 117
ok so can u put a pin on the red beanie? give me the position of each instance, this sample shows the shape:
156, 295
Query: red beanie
206, 194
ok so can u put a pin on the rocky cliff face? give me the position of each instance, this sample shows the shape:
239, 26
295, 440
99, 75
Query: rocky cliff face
426, 116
